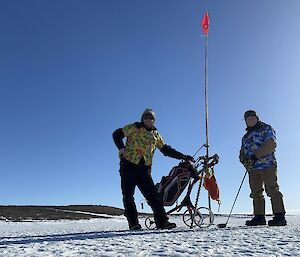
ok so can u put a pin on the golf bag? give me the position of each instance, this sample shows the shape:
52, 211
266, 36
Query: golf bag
171, 186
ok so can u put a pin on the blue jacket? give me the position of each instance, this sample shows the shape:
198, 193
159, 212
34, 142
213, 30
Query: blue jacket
254, 140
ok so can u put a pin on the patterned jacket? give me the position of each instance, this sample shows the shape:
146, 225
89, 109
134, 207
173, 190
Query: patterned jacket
259, 141
141, 143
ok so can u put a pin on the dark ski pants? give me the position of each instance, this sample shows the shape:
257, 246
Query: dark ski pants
133, 175
268, 179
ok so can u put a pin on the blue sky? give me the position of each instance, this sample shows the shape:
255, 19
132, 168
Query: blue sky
71, 72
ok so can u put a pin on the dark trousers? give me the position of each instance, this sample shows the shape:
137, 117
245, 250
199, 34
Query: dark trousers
133, 175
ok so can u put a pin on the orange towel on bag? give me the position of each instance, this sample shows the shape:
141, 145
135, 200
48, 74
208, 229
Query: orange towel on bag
210, 184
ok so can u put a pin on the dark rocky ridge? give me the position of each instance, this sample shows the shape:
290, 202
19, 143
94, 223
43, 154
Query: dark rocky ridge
69, 212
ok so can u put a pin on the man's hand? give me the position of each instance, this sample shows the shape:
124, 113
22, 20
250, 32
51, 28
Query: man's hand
248, 164
242, 156
253, 158
122, 152
188, 158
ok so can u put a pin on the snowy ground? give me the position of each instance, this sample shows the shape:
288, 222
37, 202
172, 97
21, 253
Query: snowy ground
110, 237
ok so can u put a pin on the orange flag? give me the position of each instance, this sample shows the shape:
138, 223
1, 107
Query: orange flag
210, 184
205, 23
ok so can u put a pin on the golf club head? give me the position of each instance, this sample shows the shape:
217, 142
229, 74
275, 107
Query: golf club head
222, 225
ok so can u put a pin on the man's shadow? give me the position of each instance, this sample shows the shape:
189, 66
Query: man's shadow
5, 241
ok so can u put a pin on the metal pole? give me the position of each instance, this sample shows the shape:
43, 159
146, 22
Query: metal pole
206, 113
206, 94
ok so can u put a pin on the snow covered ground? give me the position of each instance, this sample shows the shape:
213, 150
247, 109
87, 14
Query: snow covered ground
110, 237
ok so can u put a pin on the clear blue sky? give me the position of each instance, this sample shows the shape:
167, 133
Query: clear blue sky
71, 72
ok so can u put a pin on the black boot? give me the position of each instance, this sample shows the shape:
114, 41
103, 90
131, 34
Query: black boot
135, 227
256, 221
278, 220
166, 225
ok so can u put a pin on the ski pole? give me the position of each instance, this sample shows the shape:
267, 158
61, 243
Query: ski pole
223, 225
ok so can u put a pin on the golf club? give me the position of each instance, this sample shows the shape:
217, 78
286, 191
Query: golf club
223, 225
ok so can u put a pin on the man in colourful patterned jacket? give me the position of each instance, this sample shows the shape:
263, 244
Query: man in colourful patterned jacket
135, 167
258, 156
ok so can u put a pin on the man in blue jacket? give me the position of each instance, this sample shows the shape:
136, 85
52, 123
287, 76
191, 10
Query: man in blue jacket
257, 154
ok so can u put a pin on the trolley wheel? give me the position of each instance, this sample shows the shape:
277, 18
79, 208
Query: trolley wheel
206, 217
150, 223
190, 218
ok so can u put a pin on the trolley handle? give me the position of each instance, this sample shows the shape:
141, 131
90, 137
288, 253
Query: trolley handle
210, 161
215, 160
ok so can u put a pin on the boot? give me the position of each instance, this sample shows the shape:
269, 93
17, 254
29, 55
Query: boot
166, 225
278, 220
256, 221
135, 227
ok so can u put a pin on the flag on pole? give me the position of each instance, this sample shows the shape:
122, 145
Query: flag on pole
205, 23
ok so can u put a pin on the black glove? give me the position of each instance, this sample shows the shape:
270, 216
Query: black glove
248, 164
253, 158
188, 158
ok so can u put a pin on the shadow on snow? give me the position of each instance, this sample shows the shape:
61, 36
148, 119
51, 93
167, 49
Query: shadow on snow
4, 241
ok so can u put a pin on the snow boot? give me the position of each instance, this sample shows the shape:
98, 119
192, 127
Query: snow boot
166, 225
135, 227
278, 220
256, 221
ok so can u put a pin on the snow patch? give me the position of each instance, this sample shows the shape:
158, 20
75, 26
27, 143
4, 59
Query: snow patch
111, 237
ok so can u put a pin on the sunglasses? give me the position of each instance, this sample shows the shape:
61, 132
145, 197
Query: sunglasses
148, 118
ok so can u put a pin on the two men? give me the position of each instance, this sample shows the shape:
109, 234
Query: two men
257, 154
135, 167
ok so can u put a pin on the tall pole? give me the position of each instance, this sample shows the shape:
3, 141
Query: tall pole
206, 115
206, 95
205, 28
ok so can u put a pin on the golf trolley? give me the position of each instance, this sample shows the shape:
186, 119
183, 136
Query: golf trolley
170, 188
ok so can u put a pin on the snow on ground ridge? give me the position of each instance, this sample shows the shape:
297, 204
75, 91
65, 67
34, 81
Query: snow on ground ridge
110, 237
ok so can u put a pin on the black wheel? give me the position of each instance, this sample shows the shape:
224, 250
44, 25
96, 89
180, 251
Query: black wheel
190, 218
150, 223
206, 217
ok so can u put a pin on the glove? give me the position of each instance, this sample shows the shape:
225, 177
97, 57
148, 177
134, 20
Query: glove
253, 158
248, 164
188, 158
121, 153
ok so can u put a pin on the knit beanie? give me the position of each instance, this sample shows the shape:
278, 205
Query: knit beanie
250, 113
147, 112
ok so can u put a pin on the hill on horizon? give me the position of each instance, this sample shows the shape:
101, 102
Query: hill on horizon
68, 212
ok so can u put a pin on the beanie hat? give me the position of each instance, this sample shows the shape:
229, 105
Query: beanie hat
250, 113
147, 112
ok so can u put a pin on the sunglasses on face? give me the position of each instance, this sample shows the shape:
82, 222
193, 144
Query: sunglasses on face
148, 118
